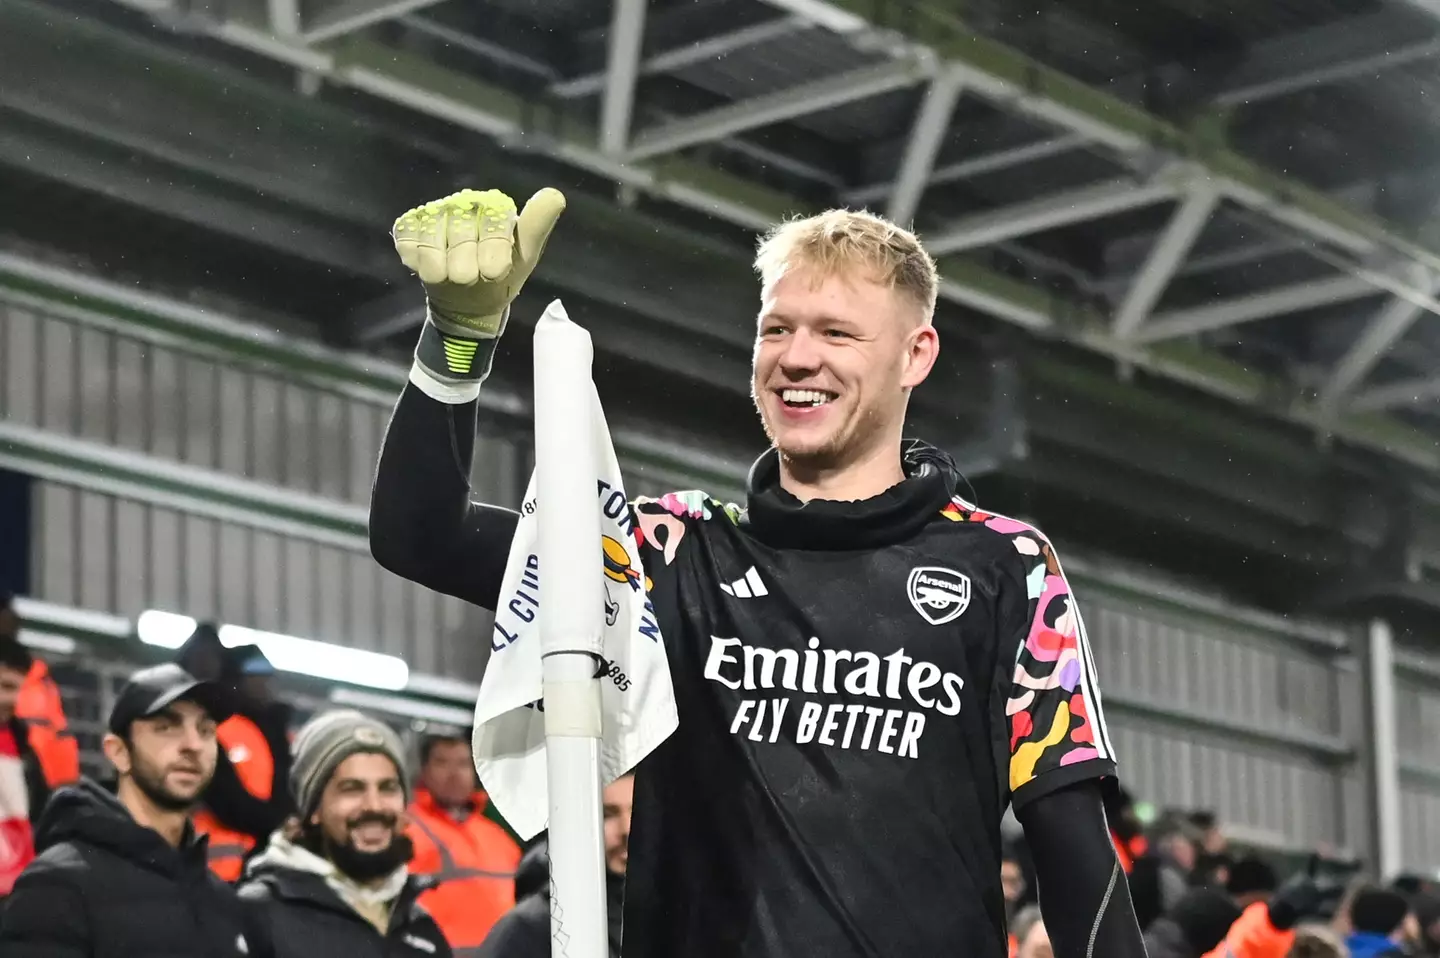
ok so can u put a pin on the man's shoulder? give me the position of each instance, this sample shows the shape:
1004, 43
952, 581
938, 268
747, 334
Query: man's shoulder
1018, 535
69, 860
690, 504
663, 523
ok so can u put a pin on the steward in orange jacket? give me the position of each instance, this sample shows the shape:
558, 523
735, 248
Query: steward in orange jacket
42, 711
1266, 929
473, 858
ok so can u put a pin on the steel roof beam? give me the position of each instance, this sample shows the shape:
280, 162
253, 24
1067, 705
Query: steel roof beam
397, 77
390, 315
1331, 53
284, 17
1406, 392
927, 134
1022, 85
1167, 256
346, 16
627, 36
671, 61
1049, 212
1245, 309
992, 162
1382, 331
806, 98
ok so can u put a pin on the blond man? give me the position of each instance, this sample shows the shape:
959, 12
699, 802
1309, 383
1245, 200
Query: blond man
868, 667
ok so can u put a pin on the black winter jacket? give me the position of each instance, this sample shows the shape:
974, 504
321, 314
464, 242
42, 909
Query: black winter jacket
294, 913
104, 886
524, 931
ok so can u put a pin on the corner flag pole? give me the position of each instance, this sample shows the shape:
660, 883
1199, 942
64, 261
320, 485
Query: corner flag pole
571, 610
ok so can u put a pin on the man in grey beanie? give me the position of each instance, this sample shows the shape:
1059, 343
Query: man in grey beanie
335, 881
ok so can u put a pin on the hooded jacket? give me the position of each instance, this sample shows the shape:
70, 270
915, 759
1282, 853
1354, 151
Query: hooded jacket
524, 931
104, 886
1366, 944
296, 905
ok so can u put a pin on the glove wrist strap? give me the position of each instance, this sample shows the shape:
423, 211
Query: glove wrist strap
451, 361
453, 354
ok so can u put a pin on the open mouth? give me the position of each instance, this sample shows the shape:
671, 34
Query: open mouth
372, 833
805, 398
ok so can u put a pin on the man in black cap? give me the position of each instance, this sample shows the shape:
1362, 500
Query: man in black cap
124, 873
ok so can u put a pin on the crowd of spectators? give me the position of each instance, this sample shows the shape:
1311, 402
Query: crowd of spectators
1196, 896
222, 830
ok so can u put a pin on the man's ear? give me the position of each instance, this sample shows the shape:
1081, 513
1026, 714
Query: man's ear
117, 752
920, 356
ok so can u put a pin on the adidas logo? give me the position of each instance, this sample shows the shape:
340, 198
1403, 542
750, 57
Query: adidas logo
747, 586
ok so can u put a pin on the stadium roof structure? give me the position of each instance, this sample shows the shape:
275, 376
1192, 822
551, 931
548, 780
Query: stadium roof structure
1188, 241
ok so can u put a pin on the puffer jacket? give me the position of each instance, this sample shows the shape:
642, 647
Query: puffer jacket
524, 931
295, 907
104, 886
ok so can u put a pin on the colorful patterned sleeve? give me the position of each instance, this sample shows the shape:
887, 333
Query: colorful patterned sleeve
1056, 724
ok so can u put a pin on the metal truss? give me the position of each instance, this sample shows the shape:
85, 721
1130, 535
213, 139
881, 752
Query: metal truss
954, 63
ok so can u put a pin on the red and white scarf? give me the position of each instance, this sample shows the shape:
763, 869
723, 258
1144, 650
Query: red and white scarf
17, 845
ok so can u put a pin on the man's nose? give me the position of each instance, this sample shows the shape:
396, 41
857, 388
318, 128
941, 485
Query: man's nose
801, 354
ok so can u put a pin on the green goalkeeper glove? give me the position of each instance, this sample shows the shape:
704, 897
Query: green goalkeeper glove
474, 252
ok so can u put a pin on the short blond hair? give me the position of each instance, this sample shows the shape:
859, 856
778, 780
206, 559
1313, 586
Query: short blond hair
838, 239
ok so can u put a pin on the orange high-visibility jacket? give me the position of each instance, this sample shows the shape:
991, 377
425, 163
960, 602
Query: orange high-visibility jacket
1252, 936
475, 862
43, 712
248, 751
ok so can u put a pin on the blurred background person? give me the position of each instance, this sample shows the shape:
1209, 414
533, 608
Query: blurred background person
23, 788
1212, 850
124, 872
1197, 924
524, 931
335, 882
472, 859
1251, 881
1031, 939
1126, 829
40, 706
1012, 880
1266, 928
1162, 875
1425, 906
1377, 923
1317, 941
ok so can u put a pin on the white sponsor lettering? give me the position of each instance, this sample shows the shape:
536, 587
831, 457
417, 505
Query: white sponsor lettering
822, 671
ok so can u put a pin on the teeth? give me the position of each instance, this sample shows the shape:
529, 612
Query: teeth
801, 397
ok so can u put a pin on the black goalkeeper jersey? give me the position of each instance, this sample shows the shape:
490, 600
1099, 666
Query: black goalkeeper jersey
862, 688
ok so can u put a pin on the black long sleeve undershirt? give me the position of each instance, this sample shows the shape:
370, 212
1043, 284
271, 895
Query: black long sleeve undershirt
1084, 895
423, 525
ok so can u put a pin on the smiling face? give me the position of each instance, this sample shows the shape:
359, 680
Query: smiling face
836, 356
363, 804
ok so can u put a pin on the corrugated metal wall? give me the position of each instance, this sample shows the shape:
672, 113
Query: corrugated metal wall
1232, 713
1417, 714
113, 554
110, 554
96, 384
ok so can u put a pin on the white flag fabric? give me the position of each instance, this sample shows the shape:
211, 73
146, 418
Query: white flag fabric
637, 697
